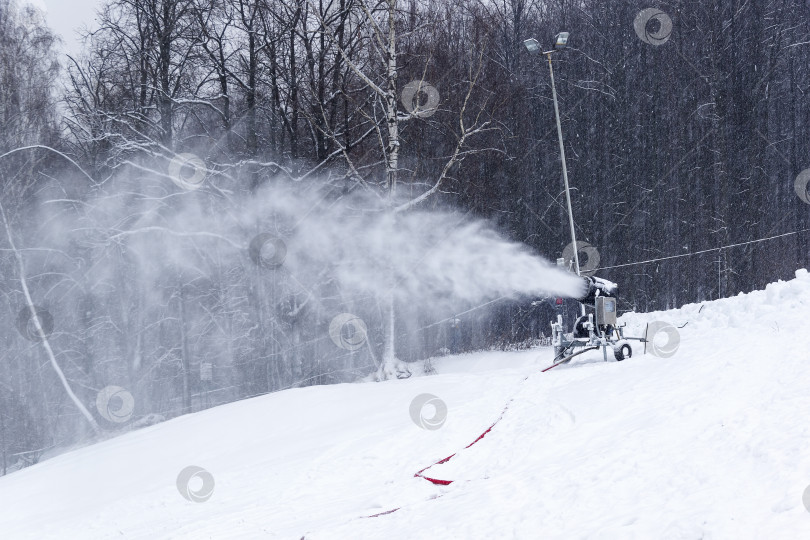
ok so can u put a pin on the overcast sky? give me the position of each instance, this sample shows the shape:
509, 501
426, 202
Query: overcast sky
67, 16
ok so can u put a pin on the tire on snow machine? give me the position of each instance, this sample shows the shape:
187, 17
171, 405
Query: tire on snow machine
622, 351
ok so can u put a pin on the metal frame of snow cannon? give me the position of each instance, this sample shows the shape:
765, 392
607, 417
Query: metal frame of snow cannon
594, 330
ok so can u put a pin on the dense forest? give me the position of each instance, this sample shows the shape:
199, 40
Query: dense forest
157, 187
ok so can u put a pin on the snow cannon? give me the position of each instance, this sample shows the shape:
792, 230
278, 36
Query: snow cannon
593, 331
601, 295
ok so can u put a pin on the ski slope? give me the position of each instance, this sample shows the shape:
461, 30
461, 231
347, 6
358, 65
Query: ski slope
713, 442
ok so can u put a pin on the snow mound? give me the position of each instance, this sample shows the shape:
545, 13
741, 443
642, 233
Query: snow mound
709, 443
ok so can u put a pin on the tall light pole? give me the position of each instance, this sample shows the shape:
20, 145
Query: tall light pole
560, 42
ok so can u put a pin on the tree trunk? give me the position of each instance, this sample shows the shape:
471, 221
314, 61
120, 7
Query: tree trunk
164, 99
185, 353
391, 366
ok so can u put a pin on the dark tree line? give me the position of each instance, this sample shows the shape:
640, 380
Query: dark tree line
674, 147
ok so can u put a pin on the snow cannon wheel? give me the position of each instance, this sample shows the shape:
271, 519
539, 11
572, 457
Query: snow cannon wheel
622, 351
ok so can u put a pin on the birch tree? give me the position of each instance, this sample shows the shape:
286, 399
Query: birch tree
382, 18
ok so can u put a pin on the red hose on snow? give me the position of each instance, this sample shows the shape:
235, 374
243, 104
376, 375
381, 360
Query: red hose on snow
439, 481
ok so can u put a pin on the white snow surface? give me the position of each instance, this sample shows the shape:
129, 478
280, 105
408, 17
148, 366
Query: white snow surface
713, 443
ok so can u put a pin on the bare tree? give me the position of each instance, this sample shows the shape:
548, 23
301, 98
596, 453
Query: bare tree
382, 18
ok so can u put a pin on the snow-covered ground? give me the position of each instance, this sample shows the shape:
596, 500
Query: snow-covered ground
713, 442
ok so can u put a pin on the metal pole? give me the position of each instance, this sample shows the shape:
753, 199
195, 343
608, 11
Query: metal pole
565, 171
564, 168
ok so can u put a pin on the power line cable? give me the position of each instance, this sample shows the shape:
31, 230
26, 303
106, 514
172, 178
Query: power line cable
703, 251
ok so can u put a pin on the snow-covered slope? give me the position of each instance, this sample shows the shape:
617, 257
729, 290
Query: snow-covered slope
713, 442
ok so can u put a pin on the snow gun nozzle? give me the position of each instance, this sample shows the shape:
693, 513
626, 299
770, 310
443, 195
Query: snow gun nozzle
594, 287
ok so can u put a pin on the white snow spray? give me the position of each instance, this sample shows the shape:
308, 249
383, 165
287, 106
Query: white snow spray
281, 264
434, 258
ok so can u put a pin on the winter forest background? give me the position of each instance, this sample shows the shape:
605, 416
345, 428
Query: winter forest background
277, 115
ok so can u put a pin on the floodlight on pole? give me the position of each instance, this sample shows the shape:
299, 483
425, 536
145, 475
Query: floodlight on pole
561, 41
533, 45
